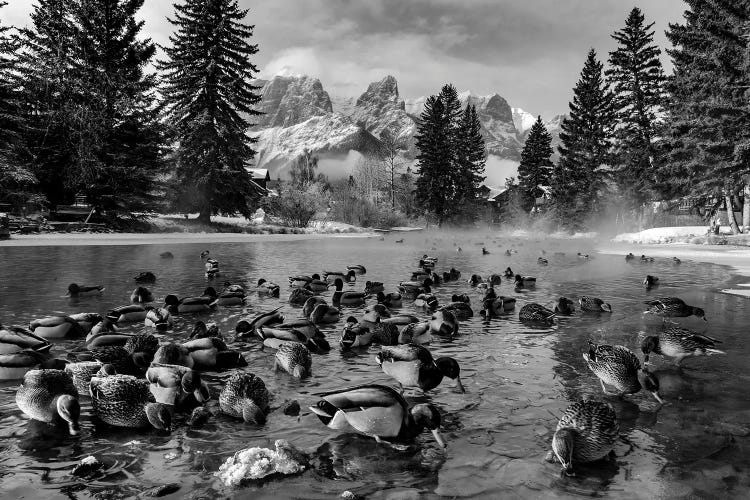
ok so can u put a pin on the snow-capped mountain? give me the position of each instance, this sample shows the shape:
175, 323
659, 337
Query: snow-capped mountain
299, 115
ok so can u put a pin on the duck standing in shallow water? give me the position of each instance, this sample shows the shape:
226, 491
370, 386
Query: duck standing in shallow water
673, 307
620, 368
377, 411
679, 343
49, 395
412, 365
75, 290
586, 432
245, 396
593, 304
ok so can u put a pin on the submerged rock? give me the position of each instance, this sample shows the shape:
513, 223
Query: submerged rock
87, 467
291, 408
257, 463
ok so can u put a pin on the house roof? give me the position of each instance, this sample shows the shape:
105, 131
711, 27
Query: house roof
259, 173
495, 192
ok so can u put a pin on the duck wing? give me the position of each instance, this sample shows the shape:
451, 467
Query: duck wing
364, 396
405, 352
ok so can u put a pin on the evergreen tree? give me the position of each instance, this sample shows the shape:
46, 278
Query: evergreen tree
471, 158
579, 178
637, 80
707, 115
535, 169
207, 97
435, 189
16, 180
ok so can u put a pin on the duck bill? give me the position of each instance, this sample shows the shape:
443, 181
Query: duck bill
658, 398
459, 385
74, 428
439, 438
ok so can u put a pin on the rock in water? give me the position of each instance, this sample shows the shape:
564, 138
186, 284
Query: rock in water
87, 467
257, 463
291, 408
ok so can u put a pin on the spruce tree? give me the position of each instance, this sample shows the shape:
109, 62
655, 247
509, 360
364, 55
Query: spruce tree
435, 189
708, 123
471, 158
637, 81
535, 169
580, 177
208, 97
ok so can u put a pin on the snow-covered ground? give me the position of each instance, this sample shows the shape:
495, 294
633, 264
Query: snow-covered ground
666, 234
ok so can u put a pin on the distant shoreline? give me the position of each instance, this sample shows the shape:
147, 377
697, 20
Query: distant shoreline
84, 239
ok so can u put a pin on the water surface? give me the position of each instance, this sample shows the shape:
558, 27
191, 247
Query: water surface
518, 379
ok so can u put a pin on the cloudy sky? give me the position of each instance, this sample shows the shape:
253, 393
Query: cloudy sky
530, 52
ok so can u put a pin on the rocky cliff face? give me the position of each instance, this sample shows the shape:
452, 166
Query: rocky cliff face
289, 100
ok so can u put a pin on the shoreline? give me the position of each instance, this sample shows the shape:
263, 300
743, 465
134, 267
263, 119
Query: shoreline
88, 239
735, 257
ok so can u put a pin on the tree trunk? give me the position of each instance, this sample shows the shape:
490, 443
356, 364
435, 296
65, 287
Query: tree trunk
730, 213
746, 209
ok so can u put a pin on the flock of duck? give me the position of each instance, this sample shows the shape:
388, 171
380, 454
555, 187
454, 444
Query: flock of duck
138, 381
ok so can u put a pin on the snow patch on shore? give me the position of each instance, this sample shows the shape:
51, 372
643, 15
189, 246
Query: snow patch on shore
658, 235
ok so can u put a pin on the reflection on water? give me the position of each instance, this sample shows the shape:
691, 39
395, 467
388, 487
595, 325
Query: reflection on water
518, 379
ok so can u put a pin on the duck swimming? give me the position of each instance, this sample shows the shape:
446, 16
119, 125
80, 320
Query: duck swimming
443, 323
21, 351
87, 320
349, 298
348, 277
673, 307
542, 261
145, 277
83, 371
629, 257
293, 358
679, 343
412, 365
245, 396
274, 337
593, 304
415, 333
377, 411
127, 314
357, 268
508, 273
206, 302
524, 281
159, 318
56, 327
374, 287
272, 317
564, 307
231, 295
461, 310
323, 313
426, 300
452, 275
536, 313
75, 290
357, 334
126, 401
212, 353
268, 289
650, 281
586, 432
390, 300
141, 294
174, 384
49, 395
620, 368
299, 296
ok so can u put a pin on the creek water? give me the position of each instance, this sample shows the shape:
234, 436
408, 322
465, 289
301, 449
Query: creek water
518, 379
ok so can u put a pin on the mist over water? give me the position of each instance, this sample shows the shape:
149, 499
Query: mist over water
518, 378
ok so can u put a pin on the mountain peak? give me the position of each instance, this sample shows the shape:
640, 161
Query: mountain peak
288, 100
386, 90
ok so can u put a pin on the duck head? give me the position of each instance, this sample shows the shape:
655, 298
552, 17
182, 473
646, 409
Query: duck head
352, 329
204, 254
106, 370
562, 446
444, 323
159, 416
73, 289
648, 345
69, 410
210, 292
697, 311
200, 330
375, 312
141, 294
606, 307
449, 368
649, 382
339, 284
428, 416
171, 301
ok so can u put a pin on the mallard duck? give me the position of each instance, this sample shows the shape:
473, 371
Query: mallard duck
650, 281
460, 298
390, 300
374, 287
83, 371
494, 280
493, 306
231, 295
131, 359
593, 304
673, 307
357, 334
646, 259
443, 323
427, 261
75, 290
173, 354
14, 339
309, 305
173, 384
300, 295
206, 302
273, 337
126, 401
461, 310
166, 255
619, 367
426, 301
145, 277
452, 275
87, 320
317, 285
676, 261
536, 313
508, 273
564, 307
21, 351
323, 313
245, 396
202, 331
583, 256
542, 261
679, 343
524, 281
508, 253
475, 280
304, 325
332, 276
302, 280
485, 251
586, 432
399, 241
342, 298
211, 353
56, 327
629, 257
399, 319
130, 313
412, 365
293, 358
415, 333
377, 411
15, 365
272, 317
48, 395
414, 288
141, 294
104, 333
159, 318
267, 288
375, 312
357, 268
211, 267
